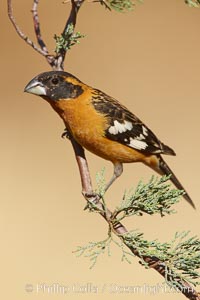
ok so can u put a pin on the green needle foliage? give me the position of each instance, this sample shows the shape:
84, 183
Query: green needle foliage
67, 39
154, 197
94, 250
181, 256
120, 5
129, 5
193, 3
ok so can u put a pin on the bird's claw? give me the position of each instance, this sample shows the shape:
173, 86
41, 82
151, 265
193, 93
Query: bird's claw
93, 197
66, 134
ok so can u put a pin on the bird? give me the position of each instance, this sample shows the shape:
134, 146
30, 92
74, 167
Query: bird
102, 125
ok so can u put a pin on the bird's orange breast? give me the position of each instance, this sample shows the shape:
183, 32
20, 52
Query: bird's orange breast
88, 128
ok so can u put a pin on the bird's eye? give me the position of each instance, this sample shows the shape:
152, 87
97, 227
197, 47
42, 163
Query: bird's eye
55, 81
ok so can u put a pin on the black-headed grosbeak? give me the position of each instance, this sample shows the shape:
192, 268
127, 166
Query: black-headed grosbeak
102, 125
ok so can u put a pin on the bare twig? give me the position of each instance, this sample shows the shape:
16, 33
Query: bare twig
50, 58
36, 24
43, 51
20, 32
83, 167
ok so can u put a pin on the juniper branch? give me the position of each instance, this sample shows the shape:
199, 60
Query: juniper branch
120, 230
154, 197
193, 3
177, 261
180, 256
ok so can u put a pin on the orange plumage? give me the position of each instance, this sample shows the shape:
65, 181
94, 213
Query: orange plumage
102, 125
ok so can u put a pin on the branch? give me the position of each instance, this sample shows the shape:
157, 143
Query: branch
20, 32
66, 35
55, 61
36, 24
120, 230
83, 168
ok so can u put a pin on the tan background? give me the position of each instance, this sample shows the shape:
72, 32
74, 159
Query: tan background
149, 60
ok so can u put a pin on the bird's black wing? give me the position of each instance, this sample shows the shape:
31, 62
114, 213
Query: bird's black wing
125, 128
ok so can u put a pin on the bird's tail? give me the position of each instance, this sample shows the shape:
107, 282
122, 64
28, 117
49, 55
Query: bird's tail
165, 170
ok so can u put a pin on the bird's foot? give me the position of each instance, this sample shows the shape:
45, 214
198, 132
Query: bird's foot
66, 134
92, 198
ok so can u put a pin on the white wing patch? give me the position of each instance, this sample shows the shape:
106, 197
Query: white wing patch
120, 127
145, 131
137, 144
140, 137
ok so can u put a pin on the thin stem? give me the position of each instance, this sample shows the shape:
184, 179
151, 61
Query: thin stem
43, 51
20, 32
36, 24
83, 167
73, 14
76, 5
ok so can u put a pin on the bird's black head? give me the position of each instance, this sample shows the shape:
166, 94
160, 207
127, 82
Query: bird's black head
55, 85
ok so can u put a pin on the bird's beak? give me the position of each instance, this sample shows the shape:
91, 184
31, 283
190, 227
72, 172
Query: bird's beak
35, 87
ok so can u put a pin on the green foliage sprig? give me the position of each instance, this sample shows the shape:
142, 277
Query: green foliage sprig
154, 197
93, 250
180, 256
67, 39
129, 5
120, 5
193, 3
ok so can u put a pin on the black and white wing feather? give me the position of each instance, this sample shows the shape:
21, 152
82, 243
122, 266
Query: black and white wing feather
125, 128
